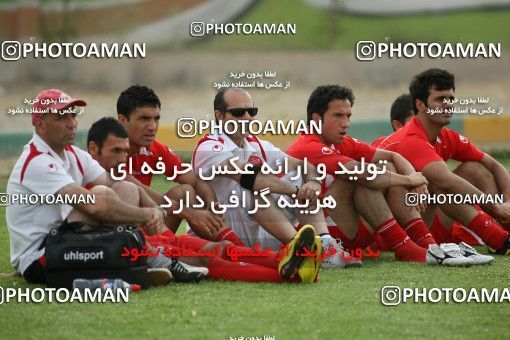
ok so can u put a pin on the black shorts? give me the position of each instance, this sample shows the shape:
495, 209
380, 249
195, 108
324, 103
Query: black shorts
36, 272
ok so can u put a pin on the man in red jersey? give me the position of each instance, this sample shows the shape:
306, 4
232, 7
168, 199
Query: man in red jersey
400, 113
443, 228
108, 144
271, 225
138, 109
363, 194
427, 144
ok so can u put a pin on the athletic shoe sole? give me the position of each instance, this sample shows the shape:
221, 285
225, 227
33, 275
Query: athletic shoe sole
309, 270
480, 259
290, 264
159, 277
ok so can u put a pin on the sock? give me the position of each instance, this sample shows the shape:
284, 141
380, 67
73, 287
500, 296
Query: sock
363, 238
235, 253
379, 243
419, 232
220, 269
228, 234
440, 233
484, 226
396, 238
463, 234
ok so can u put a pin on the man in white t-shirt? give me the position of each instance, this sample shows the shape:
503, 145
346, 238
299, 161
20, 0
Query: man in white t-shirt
50, 165
269, 226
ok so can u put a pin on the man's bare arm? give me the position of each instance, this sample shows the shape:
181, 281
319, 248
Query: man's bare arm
202, 188
401, 164
196, 218
153, 194
441, 177
110, 209
500, 174
386, 179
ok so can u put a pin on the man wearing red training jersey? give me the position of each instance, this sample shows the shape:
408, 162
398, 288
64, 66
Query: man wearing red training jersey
360, 196
138, 109
443, 228
427, 144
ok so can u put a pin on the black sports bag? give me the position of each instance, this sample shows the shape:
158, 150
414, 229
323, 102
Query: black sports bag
78, 250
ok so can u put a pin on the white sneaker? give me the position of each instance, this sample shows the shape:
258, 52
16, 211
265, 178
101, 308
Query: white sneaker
470, 252
447, 254
340, 257
183, 272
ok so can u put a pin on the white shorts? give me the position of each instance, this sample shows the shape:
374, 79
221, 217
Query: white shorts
245, 226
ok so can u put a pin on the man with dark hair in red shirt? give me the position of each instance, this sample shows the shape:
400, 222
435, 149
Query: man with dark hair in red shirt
377, 199
443, 228
427, 144
138, 109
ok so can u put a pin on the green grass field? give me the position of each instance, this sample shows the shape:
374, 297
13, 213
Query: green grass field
345, 304
316, 28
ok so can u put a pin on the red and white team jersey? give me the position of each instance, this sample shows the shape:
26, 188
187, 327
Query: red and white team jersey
412, 143
311, 147
39, 170
151, 156
212, 150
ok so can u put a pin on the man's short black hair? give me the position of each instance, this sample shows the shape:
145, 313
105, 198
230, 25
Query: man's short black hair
401, 108
219, 101
100, 130
134, 97
322, 95
421, 84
